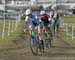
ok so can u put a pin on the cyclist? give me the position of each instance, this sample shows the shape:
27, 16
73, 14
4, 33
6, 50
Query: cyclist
56, 19
44, 19
35, 23
46, 22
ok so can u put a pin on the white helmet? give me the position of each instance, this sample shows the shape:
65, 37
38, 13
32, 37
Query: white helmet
42, 12
28, 11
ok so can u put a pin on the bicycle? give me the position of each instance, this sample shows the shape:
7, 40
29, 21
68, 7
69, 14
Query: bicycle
35, 43
48, 36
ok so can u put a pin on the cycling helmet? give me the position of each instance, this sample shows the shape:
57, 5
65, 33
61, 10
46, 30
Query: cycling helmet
42, 12
28, 11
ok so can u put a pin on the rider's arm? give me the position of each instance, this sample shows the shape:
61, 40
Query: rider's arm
41, 17
26, 18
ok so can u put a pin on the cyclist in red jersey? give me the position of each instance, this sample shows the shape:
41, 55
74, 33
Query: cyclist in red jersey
44, 18
46, 25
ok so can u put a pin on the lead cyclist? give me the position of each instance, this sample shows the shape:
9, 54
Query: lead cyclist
35, 24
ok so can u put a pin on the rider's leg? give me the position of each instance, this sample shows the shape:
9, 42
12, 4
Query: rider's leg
40, 38
44, 29
30, 28
26, 25
57, 29
50, 32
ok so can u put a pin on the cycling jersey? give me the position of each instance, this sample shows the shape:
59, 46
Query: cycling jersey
44, 19
34, 20
51, 14
55, 17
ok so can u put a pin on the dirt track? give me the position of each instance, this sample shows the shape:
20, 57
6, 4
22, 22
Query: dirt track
61, 51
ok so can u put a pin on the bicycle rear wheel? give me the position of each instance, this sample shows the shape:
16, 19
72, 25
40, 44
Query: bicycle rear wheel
46, 39
34, 45
41, 46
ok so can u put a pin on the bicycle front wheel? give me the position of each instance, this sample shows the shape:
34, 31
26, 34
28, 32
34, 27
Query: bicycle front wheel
34, 45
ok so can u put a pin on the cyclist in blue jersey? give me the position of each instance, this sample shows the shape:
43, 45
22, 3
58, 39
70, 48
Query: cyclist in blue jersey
35, 23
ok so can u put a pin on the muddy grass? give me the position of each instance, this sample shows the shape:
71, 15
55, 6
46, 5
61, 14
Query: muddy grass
61, 50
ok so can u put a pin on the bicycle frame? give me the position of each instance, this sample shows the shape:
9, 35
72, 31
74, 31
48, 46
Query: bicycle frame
36, 43
48, 36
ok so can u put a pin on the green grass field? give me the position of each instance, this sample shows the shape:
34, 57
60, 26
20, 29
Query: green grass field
70, 20
7, 41
6, 24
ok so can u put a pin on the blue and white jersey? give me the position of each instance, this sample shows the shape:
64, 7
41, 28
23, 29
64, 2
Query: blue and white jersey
35, 18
